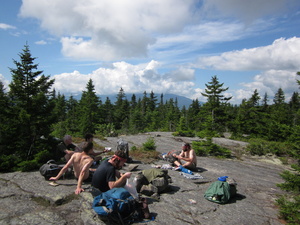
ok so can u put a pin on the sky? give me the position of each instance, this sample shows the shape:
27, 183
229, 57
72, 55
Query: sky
169, 46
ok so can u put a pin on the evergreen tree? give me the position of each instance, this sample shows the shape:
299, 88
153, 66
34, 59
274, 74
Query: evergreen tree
5, 130
60, 112
215, 105
88, 110
31, 114
121, 113
72, 116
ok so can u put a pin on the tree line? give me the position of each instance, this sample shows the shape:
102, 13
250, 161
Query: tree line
31, 112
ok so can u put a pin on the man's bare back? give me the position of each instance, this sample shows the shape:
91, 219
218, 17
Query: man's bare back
81, 163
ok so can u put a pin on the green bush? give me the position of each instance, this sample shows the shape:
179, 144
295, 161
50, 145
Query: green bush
8, 163
43, 156
29, 165
207, 134
205, 148
289, 210
149, 145
290, 204
263, 147
184, 133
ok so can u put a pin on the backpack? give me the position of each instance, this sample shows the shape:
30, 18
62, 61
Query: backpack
218, 192
117, 205
50, 169
153, 180
123, 146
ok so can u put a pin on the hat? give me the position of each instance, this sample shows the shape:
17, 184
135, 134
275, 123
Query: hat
222, 178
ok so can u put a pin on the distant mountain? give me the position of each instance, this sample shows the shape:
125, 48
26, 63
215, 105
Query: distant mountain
182, 101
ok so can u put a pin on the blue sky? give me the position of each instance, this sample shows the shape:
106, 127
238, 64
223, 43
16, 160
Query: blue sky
170, 46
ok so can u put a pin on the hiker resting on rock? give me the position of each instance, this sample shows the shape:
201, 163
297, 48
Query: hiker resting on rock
96, 156
187, 158
107, 175
66, 148
81, 165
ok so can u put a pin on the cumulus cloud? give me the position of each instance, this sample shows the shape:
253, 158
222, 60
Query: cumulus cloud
108, 30
41, 42
281, 55
132, 78
4, 26
269, 82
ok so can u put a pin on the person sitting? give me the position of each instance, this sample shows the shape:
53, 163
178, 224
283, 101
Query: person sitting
81, 166
187, 158
66, 148
95, 155
108, 176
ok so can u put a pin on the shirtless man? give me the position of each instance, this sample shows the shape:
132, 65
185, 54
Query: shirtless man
187, 158
81, 165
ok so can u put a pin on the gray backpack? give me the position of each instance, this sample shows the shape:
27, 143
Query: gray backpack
50, 169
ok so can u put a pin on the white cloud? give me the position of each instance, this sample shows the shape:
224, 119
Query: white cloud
108, 29
269, 82
132, 78
4, 82
41, 42
283, 54
6, 26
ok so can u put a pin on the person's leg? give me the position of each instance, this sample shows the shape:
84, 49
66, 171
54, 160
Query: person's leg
177, 163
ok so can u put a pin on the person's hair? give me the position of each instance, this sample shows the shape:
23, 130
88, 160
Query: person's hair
187, 145
67, 137
87, 146
88, 136
121, 154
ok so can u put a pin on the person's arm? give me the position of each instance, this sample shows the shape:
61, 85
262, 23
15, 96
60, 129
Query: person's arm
178, 156
120, 182
99, 153
63, 170
187, 159
84, 170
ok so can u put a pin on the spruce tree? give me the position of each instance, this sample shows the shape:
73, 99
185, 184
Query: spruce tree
31, 111
216, 105
88, 110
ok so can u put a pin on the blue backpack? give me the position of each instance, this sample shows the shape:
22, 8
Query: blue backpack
117, 205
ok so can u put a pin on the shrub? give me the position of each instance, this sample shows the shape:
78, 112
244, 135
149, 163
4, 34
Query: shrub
149, 145
263, 147
29, 165
184, 133
8, 162
290, 204
205, 148
207, 134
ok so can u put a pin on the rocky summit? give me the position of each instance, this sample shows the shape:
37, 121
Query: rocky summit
27, 198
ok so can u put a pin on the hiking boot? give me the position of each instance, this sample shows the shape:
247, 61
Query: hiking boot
148, 189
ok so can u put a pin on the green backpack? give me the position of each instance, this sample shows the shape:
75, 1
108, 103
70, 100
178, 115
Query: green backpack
218, 192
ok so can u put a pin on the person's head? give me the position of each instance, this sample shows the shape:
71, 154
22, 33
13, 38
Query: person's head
87, 146
89, 137
186, 147
119, 159
67, 139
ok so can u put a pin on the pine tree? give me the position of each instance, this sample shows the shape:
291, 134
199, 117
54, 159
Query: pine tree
215, 105
31, 114
88, 110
